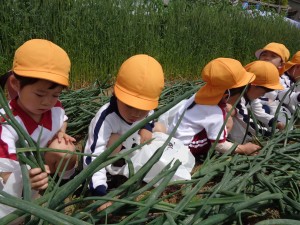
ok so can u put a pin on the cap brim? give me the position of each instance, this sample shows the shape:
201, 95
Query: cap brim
288, 66
274, 87
56, 78
209, 95
134, 100
248, 77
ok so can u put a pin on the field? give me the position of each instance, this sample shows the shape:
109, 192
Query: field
98, 35
225, 189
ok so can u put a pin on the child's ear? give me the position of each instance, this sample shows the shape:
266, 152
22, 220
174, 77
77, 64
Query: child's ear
14, 83
225, 98
13, 87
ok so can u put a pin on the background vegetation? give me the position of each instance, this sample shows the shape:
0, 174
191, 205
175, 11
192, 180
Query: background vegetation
100, 34
183, 36
278, 2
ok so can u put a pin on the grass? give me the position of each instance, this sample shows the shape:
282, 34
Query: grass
99, 35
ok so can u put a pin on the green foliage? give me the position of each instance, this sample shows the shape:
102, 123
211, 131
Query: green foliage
226, 189
277, 2
100, 34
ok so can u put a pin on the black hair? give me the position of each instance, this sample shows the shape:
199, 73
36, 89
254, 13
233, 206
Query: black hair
235, 91
24, 81
4, 78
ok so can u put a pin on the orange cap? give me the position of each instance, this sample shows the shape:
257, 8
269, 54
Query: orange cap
220, 75
267, 74
139, 83
277, 48
42, 59
294, 61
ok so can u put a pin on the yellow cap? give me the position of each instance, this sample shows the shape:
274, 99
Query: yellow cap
294, 61
267, 74
220, 75
42, 59
277, 48
140, 81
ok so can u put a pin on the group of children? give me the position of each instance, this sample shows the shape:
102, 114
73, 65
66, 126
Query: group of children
217, 114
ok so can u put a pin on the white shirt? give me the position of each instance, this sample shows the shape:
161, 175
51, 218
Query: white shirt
243, 121
201, 125
106, 122
290, 99
49, 125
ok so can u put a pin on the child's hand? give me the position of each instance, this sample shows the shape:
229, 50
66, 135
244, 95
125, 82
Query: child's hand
62, 135
247, 149
145, 134
280, 126
228, 108
39, 179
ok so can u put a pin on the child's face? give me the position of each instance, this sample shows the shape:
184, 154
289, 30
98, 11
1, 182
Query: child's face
255, 92
271, 57
131, 114
294, 72
36, 99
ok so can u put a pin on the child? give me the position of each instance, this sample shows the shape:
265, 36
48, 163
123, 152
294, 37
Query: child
265, 107
267, 79
275, 53
205, 112
288, 79
40, 72
139, 83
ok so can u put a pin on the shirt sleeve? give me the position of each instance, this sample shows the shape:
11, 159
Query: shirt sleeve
260, 113
289, 97
240, 124
96, 144
8, 140
213, 123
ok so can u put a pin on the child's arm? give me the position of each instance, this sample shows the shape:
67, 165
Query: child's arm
38, 178
61, 134
292, 98
245, 149
145, 134
264, 117
113, 138
243, 118
96, 144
